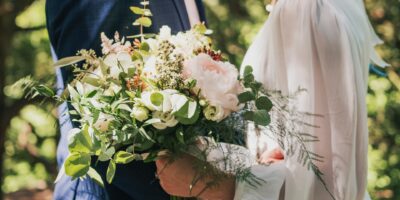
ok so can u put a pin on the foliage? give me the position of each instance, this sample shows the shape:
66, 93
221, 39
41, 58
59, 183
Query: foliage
235, 24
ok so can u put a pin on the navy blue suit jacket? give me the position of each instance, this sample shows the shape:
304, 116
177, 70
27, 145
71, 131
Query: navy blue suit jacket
75, 25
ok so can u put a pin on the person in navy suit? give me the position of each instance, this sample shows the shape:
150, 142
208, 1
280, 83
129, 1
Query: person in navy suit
77, 24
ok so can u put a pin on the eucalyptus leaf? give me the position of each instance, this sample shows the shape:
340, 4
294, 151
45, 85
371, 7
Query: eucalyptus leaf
137, 10
248, 70
264, 103
261, 117
144, 21
246, 97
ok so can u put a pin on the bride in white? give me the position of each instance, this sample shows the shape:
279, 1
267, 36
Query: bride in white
323, 46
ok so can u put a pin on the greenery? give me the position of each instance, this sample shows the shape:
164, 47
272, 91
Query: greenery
31, 133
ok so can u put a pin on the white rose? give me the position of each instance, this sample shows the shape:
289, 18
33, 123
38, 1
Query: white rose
167, 120
140, 113
118, 63
103, 122
214, 113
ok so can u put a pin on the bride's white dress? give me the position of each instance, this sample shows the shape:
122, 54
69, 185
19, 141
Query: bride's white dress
323, 46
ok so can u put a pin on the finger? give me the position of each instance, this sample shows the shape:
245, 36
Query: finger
277, 153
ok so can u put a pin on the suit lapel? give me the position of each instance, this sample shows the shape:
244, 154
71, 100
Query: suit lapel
183, 15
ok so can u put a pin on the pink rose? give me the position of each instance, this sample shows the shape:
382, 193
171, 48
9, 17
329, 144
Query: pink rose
216, 80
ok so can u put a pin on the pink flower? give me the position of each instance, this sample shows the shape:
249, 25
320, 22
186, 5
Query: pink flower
216, 80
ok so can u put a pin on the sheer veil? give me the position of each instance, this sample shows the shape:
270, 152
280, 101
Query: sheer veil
323, 46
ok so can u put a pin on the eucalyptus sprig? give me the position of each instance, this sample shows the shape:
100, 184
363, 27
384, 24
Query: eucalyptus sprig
144, 20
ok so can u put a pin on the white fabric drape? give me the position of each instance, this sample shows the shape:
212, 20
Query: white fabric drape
323, 46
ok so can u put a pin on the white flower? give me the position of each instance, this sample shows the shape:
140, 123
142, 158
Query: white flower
140, 113
103, 122
149, 69
118, 63
165, 33
216, 80
158, 100
214, 113
166, 120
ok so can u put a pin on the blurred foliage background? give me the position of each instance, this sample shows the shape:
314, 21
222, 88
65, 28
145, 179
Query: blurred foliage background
29, 130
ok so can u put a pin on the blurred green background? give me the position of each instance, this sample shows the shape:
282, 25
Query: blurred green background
29, 130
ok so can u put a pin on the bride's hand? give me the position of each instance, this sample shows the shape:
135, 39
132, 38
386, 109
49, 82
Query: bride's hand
273, 156
176, 178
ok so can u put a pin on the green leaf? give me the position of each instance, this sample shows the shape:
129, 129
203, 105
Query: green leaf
179, 105
261, 117
248, 70
248, 79
264, 103
68, 61
248, 115
73, 93
246, 97
144, 133
144, 46
180, 136
77, 164
91, 81
151, 121
92, 173
107, 154
201, 28
79, 140
110, 171
136, 56
156, 98
91, 94
44, 91
131, 71
137, 10
123, 157
144, 21
190, 113
146, 35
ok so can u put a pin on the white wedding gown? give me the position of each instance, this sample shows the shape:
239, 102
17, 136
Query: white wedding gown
323, 46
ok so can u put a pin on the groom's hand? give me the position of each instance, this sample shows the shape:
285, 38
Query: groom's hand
177, 176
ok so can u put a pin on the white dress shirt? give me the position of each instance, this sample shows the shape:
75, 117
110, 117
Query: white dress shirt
193, 12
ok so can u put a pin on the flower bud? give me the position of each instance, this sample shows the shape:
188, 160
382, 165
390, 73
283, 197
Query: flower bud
140, 113
214, 113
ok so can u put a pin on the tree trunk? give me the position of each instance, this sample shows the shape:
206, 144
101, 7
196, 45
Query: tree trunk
8, 13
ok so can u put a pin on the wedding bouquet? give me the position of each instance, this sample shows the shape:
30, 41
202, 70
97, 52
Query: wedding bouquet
161, 94
155, 94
